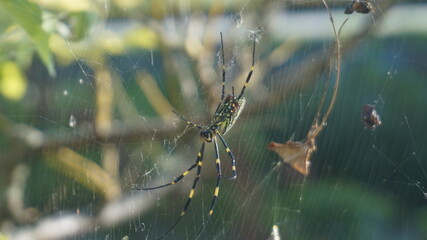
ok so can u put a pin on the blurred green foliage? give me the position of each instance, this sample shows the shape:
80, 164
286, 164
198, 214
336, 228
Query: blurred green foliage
28, 16
363, 183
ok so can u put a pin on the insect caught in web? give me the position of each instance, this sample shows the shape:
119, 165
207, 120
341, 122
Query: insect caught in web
358, 6
370, 117
226, 114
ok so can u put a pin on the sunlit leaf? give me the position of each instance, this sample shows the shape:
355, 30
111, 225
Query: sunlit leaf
13, 84
144, 38
112, 43
154, 96
29, 16
84, 171
67, 5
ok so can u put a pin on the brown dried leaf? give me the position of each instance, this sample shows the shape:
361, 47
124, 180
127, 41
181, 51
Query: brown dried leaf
296, 154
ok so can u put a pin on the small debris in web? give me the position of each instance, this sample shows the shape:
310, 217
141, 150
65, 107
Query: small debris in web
274, 233
72, 123
370, 117
363, 7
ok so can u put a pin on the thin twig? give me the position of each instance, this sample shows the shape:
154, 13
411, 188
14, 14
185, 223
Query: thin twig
337, 80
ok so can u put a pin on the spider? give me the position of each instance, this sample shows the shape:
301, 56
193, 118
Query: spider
226, 114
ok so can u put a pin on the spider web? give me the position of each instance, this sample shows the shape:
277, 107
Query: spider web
111, 101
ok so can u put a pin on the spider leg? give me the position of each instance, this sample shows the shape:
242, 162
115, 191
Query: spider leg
223, 69
216, 192
198, 160
218, 170
190, 196
249, 74
223, 74
190, 123
230, 154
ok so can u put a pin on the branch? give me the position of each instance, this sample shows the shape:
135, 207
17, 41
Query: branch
75, 224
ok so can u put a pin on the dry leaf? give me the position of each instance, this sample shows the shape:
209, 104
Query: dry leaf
296, 154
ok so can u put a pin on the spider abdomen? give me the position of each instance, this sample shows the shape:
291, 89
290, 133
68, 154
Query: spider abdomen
227, 114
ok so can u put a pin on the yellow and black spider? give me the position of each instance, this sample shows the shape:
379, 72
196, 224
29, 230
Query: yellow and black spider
226, 114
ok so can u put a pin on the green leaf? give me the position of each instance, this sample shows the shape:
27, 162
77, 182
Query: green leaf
29, 16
